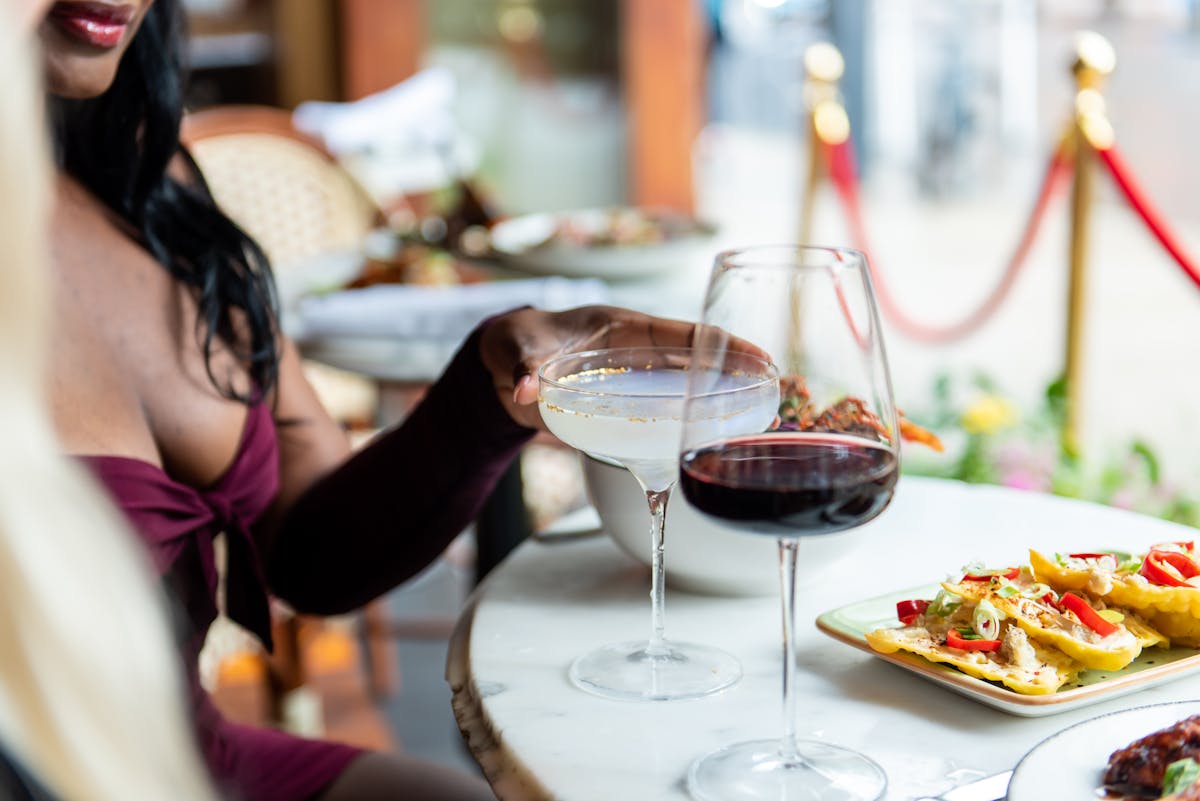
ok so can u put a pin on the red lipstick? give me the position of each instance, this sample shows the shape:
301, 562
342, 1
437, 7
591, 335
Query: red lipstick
100, 25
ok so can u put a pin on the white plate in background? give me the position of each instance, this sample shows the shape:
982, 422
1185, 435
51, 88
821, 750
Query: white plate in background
1071, 763
529, 243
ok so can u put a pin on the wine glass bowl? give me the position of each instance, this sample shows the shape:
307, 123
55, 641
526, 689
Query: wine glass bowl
706, 556
828, 465
625, 404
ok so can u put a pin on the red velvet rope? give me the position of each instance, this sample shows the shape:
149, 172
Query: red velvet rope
842, 173
1150, 215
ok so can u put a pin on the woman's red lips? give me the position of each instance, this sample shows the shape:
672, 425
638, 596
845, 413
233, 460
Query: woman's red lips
97, 24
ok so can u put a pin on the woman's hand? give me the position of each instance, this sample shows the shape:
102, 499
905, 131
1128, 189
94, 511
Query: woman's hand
514, 345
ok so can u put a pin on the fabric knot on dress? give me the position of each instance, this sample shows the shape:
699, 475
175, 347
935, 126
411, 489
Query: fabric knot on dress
224, 514
179, 522
246, 599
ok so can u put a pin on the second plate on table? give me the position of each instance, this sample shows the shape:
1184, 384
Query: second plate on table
1071, 763
849, 624
614, 243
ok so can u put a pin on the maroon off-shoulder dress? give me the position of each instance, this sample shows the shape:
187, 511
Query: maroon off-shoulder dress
377, 520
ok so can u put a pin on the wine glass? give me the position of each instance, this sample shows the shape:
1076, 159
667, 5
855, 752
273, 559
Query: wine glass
625, 405
829, 465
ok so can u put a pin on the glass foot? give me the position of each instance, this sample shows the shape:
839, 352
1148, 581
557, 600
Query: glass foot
756, 770
627, 671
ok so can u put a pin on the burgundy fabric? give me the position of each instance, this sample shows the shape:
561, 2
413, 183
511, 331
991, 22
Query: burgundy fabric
376, 520
253, 764
178, 524
389, 511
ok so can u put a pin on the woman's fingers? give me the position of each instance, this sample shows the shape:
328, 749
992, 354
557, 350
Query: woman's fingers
641, 329
633, 330
516, 344
525, 392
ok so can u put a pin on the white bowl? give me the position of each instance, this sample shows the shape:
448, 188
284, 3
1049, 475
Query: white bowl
702, 555
528, 243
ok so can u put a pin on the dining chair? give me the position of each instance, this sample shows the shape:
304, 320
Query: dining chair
281, 185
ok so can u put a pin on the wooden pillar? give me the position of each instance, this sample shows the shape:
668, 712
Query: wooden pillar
381, 43
663, 54
306, 60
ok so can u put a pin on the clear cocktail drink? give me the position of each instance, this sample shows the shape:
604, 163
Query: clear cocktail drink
627, 405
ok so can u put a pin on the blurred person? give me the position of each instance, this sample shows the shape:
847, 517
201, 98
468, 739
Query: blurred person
171, 381
91, 695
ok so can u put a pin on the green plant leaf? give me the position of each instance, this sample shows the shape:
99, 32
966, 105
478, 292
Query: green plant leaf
1148, 458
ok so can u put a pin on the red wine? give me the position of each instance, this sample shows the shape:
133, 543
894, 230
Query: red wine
788, 484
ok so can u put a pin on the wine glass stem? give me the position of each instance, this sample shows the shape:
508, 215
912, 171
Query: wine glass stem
657, 500
788, 750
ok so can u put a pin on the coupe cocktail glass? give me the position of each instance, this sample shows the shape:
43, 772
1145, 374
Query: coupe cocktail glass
625, 405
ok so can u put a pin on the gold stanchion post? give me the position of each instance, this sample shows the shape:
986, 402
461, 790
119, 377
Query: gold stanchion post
828, 123
1094, 61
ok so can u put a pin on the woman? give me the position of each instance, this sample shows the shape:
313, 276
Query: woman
171, 380
91, 703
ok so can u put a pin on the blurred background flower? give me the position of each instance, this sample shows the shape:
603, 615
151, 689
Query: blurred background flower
989, 442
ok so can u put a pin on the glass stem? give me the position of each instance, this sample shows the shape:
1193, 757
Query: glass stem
657, 500
788, 750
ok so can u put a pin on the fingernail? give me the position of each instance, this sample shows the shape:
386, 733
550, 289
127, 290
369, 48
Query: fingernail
525, 379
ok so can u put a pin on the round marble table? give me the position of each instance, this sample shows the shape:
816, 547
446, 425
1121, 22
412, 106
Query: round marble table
538, 737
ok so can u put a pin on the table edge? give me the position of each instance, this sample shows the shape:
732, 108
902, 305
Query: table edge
509, 777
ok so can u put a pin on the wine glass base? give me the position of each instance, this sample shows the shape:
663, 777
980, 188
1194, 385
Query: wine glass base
627, 671
755, 770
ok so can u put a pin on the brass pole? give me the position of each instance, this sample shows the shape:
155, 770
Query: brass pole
823, 68
1081, 202
812, 179
1094, 61
828, 124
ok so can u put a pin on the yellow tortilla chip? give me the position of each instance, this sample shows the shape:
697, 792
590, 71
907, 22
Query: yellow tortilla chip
1149, 636
1057, 630
1042, 676
1120, 590
1182, 629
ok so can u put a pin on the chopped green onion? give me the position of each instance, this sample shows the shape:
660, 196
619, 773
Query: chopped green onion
967, 633
944, 604
1127, 562
1008, 590
1122, 561
986, 621
1180, 775
1036, 591
974, 568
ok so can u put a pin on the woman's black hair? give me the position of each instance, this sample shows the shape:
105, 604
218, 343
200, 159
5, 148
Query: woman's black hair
119, 145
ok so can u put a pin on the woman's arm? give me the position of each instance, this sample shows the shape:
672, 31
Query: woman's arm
346, 531
340, 537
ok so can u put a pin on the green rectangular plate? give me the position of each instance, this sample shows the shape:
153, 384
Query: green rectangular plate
1154, 666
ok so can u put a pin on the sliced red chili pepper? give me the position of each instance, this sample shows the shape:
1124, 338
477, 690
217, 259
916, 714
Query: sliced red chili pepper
1087, 615
1169, 568
1090, 555
1008, 573
1051, 600
956, 640
908, 611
